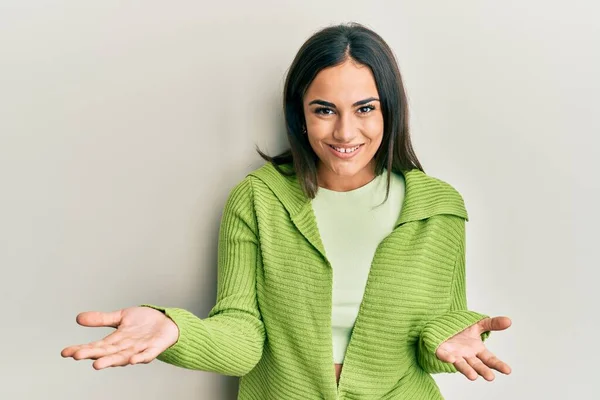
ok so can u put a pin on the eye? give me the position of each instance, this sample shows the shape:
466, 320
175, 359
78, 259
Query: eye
366, 109
323, 110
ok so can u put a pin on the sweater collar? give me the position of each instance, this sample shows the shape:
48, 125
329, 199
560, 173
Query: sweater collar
425, 196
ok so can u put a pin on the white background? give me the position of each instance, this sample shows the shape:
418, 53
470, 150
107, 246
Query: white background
124, 124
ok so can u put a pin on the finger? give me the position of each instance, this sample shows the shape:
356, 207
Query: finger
445, 355
464, 368
145, 356
495, 324
481, 368
119, 359
70, 350
113, 338
493, 362
96, 352
97, 318
122, 357
110, 339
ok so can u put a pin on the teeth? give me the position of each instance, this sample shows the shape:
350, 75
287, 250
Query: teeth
341, 150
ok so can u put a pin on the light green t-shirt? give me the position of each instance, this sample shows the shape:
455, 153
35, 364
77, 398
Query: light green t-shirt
351, 227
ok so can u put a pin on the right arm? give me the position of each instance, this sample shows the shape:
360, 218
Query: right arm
230, 341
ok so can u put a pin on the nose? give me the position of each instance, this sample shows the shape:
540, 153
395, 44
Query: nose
344, 131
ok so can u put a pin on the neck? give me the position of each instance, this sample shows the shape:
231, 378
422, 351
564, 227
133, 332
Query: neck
328, 179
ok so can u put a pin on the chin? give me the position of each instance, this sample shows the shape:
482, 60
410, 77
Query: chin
346, 170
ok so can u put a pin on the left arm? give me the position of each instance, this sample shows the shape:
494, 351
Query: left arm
456, 319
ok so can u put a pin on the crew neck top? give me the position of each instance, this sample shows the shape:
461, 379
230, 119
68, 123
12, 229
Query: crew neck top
351, 225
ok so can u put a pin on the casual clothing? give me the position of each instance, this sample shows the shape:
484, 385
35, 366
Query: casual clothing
351, 225
271, 324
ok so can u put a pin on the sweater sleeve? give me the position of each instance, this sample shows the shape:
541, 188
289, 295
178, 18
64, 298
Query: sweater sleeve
230, 340
447, 324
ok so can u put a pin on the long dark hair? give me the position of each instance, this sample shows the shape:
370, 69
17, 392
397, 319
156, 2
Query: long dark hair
329, 47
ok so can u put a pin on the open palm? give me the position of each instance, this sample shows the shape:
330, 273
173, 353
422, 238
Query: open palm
468, 353
142, 334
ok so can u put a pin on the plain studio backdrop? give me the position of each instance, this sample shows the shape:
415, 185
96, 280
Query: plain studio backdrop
124, 125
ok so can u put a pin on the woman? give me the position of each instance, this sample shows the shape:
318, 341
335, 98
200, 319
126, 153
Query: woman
338, 252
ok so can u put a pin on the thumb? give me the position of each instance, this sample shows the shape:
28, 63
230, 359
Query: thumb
495, 324
97, 318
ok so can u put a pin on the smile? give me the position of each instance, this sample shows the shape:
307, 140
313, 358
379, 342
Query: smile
345, 149
345, 153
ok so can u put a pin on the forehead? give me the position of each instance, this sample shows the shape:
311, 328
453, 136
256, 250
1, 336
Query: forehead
346, 83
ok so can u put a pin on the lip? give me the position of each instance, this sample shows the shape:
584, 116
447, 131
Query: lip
345, 156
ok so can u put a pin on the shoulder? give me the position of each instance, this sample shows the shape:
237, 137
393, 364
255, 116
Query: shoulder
240, 200
427, 195
453, 199
432, 182
271, 175
261, 182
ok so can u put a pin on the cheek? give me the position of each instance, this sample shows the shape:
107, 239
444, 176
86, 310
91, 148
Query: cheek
373, 129
316, 143
319, 127
318, 131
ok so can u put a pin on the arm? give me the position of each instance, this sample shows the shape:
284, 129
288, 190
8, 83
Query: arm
456, 319
230, 341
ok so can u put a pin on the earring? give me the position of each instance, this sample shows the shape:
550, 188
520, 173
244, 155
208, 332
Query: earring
304, 130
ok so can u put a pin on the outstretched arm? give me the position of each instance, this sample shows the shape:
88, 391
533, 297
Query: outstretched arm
452, 341
230, 341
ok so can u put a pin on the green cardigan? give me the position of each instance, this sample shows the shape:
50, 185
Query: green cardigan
271, 324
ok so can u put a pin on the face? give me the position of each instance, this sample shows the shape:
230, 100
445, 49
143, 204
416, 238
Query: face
344, 124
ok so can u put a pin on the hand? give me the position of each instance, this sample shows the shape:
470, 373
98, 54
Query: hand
142, 334
468, 353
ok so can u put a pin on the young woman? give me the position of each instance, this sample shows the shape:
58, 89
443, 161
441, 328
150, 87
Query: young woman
341, 263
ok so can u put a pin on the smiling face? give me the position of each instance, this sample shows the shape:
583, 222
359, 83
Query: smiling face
344, 125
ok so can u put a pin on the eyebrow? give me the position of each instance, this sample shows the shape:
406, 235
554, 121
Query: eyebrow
328, 104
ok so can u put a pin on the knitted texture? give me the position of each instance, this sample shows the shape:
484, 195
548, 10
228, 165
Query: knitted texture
271, 324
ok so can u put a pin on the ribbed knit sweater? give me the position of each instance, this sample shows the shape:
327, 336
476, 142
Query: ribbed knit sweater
271, 324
